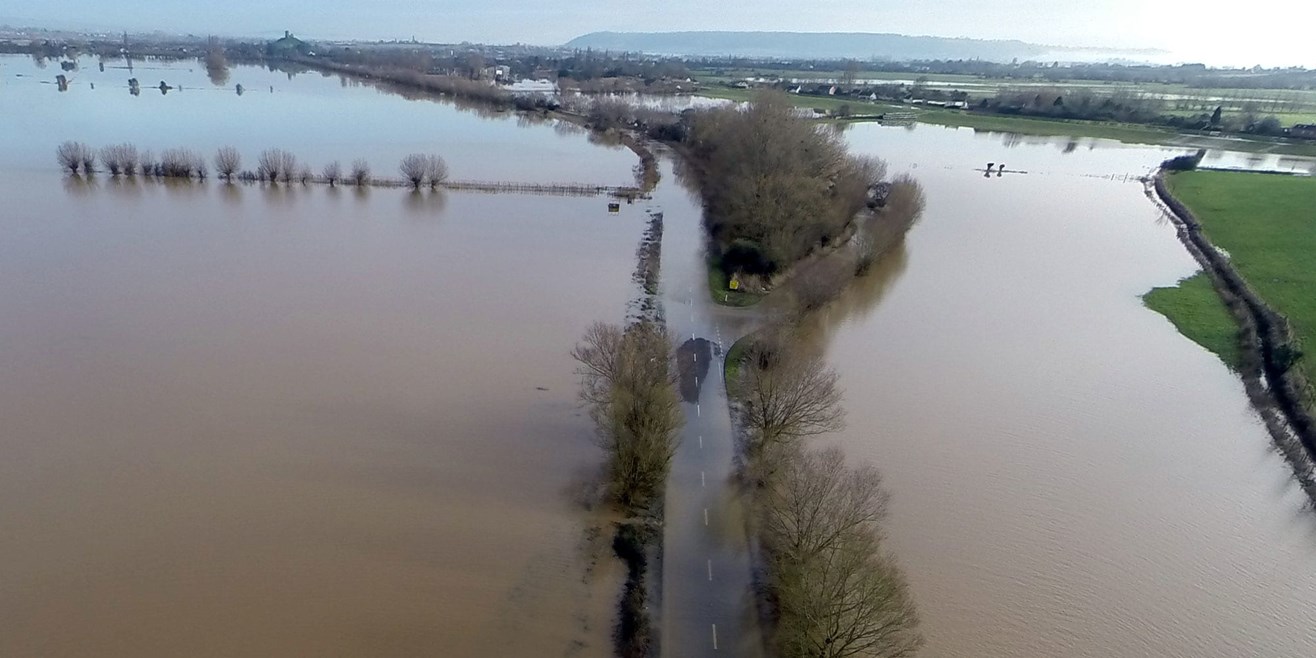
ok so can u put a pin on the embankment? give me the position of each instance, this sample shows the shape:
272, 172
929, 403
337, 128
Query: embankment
1268, 347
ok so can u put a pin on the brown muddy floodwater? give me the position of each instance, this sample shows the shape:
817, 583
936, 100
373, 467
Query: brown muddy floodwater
1070, 476
253, 421
247, 422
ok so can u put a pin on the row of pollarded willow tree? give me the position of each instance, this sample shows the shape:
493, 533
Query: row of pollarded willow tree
273, 165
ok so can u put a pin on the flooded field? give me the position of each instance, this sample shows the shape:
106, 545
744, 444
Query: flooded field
1070, 476
316, 116
256, 421
252, 421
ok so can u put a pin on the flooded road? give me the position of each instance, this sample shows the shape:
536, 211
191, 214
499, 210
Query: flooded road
1069, 475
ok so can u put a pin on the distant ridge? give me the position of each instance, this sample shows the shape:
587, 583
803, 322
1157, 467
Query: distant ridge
832, 45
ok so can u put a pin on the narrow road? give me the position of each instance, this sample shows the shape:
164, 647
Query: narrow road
707, 602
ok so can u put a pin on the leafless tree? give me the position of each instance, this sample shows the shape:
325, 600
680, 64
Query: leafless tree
850, 600
332, 173
814, 502
628, 380
70, 155
119, 158
819, 282
227, 162
277, 165
436, 170
304, 174
786, 395
414, 168
182, 163
837, 593
880, 230
360, 172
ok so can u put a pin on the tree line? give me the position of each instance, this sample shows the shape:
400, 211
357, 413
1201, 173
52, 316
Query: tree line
830, 586
272, 166
628, 382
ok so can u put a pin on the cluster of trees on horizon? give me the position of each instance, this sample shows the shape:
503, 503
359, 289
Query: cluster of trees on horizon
273, 166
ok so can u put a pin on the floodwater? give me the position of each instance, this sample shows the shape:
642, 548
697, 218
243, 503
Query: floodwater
273, 421
252, 421
317, 117
1069, 475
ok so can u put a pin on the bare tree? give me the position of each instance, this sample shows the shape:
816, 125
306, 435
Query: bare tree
436, 170
360, 172
814, 502
227, 162
332, 173
69, 155
837, 593
88, 160
786, 395
119, 158
628, 379
820, 282
277, 165
304, 174
414, 168
128, 158
850, 600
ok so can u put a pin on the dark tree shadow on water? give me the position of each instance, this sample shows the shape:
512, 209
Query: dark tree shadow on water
126, 187
231, 193
80, 185
425, 203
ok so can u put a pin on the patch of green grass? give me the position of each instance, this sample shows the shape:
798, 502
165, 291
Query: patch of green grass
718, 290
1267, 224
734, 358
1196, 310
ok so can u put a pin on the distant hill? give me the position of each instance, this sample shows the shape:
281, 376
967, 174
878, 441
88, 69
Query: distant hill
833, 45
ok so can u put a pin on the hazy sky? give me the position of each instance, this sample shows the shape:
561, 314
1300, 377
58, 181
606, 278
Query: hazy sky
1259, 32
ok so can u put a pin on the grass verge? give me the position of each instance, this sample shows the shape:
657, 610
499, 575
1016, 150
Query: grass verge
1267, 225
1195, 309
718, 290
734, 358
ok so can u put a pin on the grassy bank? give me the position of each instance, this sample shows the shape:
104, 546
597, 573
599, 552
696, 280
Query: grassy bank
734, 358
1267, 224
1195, 309
718, 289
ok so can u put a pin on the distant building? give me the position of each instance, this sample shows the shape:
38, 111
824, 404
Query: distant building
542, 87
1303, 131
288, 45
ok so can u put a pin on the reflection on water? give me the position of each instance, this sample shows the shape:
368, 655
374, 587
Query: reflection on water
319, 118
425, 203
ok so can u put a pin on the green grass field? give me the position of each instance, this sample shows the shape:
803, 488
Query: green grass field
1267, 224
1195, 309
